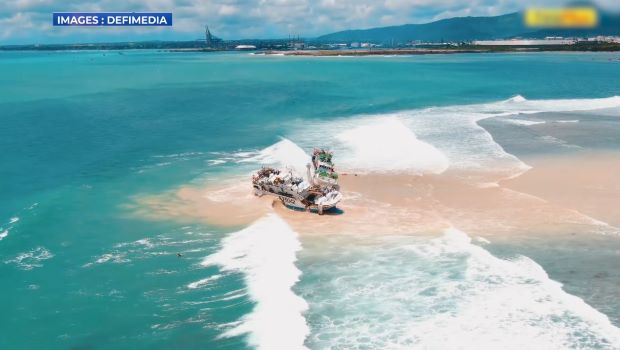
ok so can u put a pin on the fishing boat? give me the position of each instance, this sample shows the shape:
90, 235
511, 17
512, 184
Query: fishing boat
323, 173
317, 194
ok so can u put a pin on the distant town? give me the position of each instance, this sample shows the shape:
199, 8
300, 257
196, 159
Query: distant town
296, 45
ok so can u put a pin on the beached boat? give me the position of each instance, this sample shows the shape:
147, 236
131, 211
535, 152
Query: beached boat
323, 173
294, 191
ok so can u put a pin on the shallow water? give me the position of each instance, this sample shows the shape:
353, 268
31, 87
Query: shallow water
84, 133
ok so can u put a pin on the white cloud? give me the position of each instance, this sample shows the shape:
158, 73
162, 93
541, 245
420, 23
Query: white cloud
30, 20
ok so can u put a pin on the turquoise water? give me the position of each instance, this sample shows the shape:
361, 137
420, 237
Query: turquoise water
83, 133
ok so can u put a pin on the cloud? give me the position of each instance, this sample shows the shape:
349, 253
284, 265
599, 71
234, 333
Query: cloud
29, 21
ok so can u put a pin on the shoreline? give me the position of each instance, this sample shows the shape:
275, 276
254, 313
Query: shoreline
415, 204
422, 50
376, 52
582, 182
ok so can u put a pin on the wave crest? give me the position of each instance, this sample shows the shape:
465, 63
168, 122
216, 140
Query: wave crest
442, 293
265, 253
388, 145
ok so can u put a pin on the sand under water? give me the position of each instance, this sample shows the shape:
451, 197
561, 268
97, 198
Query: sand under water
434, 229
557, 194
127, 219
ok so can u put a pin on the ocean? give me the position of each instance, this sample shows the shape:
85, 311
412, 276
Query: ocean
98, 150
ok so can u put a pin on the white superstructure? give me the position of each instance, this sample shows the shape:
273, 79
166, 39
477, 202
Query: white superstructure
318, 193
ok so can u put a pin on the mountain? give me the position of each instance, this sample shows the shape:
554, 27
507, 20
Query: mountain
469, 28
609, 25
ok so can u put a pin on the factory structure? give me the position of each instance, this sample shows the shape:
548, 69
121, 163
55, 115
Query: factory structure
295, 42
211, 41
550, 40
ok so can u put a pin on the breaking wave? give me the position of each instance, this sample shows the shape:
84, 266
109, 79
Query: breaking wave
283, 153
428, 140
519, 104
388, 145
203, 282
525, 122
265, 253
378, 146
443, 293
452, 131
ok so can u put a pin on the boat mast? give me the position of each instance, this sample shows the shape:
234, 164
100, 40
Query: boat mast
310, 180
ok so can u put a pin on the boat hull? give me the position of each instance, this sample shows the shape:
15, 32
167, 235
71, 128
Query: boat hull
293, 202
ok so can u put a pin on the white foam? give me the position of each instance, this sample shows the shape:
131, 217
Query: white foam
284, 153
203, 282
514, 305
265, 253
561, 105
425, 140
445, 293
31, 259
5, 232
568, 121
517, 98
453, 130
483, 240
428, 139
145, 242
386, 144
216, 161
524, 122
118, 258
555, 141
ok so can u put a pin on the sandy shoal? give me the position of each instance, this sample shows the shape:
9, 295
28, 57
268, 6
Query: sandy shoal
588, 182
559, 194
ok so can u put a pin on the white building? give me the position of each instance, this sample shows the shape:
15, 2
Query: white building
605, 39
245, 47
525, 42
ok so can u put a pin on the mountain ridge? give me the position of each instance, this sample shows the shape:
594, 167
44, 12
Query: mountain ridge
470, 28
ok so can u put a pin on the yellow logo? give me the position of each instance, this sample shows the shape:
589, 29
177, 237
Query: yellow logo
569, 17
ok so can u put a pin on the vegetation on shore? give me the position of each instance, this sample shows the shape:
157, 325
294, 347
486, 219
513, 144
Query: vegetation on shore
274, 46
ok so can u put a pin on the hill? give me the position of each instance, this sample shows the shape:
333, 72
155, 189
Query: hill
468, 28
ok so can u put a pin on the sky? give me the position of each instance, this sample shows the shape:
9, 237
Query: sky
30, 21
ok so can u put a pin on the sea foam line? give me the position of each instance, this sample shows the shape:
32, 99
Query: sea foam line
265, 253
389, 292
519, 301
4, 232
389, 145
31, 259
203, 282
282, 153
426, 140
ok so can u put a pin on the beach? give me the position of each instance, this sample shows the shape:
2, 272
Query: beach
552, 197
555, 191
567, 184
551, 204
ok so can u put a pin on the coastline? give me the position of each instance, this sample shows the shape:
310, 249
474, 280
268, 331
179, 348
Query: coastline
567, 188
414, 204
151, 181
375, 52
191, 47
584, 182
